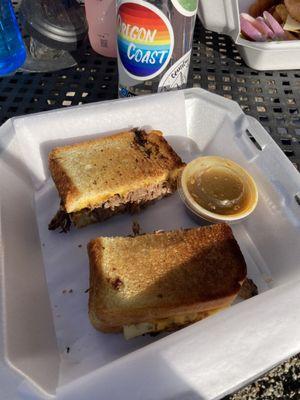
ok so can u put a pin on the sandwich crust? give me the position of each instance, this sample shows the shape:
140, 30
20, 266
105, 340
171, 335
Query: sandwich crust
158, 275
89, 173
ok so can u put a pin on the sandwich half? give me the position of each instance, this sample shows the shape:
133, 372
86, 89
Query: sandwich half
99, 178
162, 281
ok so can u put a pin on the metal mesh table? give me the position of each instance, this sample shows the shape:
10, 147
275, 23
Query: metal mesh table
271, 97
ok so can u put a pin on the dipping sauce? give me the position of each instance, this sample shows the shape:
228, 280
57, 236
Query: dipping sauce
219, 189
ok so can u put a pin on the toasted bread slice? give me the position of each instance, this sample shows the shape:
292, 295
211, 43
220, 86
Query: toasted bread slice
112, 169
158, 276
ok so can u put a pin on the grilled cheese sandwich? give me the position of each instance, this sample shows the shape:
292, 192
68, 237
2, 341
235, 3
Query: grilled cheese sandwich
161, 281
99, 178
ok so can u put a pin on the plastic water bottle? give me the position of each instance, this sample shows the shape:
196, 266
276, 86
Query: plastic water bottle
154, 41
12, 49
101, 17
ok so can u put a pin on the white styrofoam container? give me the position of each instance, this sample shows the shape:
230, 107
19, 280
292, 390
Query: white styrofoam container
222, 16
206, 360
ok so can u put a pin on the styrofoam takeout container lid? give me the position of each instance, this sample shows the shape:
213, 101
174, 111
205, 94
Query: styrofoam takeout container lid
47, 344
222, 16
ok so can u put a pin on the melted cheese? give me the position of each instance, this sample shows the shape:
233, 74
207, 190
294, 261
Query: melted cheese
171, 323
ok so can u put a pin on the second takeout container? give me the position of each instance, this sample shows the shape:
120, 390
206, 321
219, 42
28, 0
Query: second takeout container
222, 16
47, 345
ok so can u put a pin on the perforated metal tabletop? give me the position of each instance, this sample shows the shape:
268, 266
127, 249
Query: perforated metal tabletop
271, 97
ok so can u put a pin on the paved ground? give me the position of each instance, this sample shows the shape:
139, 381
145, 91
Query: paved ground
282, 382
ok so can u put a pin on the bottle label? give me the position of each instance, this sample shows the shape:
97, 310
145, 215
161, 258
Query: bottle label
186, 7
176, 76
145, 39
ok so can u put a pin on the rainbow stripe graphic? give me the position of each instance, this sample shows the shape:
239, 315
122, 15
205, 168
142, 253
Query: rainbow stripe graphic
145, 39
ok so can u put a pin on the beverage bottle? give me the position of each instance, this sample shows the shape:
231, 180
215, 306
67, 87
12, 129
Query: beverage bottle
101, 17
12, 49
154, 40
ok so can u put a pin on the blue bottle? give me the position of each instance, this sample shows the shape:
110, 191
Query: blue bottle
12, 49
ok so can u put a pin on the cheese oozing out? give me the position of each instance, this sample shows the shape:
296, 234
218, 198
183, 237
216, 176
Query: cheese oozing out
165, 324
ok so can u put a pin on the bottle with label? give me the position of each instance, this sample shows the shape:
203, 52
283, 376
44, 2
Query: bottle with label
154, 41
12, 49
101, 17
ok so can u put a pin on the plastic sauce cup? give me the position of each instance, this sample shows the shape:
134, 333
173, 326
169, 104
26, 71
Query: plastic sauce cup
226, 192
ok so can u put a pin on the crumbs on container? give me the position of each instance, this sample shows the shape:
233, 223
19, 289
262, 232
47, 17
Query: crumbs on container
67, 291
268, 279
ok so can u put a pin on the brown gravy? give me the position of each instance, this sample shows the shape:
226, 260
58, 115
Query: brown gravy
219, 189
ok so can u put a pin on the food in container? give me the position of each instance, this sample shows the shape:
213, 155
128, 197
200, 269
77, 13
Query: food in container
269, 21
222, 16
218, 189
